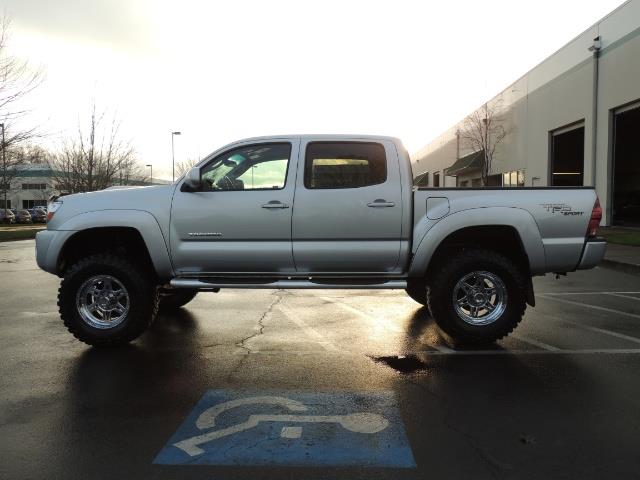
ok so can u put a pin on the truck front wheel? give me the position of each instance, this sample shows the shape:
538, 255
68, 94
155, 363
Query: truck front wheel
478, 296
105, 300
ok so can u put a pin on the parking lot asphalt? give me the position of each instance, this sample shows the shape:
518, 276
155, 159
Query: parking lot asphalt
557, 399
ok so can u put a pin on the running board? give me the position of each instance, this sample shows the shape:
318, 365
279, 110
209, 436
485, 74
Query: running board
204, 284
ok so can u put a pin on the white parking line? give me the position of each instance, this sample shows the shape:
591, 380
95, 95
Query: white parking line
593, 307
378, 321
595, 329
306, 328
587, 293
586, 351
620, 295
535, 343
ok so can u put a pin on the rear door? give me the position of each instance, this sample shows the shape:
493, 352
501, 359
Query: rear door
347, 215
240, 221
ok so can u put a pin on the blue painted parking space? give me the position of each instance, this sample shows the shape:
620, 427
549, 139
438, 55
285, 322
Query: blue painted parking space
291, 428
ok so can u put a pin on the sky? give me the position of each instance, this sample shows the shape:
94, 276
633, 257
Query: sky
218, 71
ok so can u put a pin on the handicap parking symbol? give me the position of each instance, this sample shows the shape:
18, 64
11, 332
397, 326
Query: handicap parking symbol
292, 428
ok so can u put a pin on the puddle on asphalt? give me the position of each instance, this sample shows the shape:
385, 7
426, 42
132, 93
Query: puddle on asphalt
402, 363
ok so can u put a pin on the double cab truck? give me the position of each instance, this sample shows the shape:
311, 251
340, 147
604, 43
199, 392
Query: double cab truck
317, 212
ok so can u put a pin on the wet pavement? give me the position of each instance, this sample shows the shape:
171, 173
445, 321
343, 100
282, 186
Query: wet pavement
557, 399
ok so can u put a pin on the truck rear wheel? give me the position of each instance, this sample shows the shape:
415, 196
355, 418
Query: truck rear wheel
417, 290
478, 296
176, 298
106, 300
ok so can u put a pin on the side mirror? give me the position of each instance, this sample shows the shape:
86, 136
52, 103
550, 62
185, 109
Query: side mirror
192, 179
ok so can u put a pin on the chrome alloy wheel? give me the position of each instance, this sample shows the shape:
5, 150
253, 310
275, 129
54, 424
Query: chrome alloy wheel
480, 298
103, 302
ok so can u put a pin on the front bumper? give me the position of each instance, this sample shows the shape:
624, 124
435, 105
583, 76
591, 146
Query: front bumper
48, 246
593, 253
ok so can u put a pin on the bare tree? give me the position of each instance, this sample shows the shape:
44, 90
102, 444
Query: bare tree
96, 158
17, 79
483, 131
184, 167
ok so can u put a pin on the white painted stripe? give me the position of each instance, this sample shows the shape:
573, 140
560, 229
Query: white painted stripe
585, 293
441, 348
593, 307
535, 343
596, 329
377, 320
614, 294
588, 351
308, 330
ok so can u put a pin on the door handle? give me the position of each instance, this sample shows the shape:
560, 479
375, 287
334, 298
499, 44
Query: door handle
379, 203
275, 204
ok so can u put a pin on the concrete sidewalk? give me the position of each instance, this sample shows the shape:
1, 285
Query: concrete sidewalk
623, 258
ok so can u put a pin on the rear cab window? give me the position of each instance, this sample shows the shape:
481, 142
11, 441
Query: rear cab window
333, 165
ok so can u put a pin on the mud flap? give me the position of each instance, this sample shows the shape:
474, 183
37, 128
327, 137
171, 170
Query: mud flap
531, 298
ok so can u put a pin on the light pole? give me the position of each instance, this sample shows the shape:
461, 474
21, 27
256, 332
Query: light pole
4, 170
173, 155
151, 174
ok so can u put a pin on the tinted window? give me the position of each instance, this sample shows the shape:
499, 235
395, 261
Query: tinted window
254, 167
344, 165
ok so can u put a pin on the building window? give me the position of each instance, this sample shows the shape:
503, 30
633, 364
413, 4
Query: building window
514, 178
494, 180
436, 179
567, 156
2, 205
344, 165
464, 184
32, 203
34, 186
421, 180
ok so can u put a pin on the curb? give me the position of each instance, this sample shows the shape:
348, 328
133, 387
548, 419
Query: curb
620, 266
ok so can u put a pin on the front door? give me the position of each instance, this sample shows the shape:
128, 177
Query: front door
348, 208
240, 220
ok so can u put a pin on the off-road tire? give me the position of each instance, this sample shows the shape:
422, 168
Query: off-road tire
441, 284
174, 299
417, 290
143, 298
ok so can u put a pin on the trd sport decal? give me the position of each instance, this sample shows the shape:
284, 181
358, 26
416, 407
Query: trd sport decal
563, 208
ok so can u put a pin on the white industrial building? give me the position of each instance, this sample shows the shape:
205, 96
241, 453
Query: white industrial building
32, 187
573, 120
34, 184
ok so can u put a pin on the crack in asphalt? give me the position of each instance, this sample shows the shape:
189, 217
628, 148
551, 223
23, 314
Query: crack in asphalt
260, 330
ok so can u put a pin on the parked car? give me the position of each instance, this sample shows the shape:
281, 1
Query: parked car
38, 215
22, 216
41, 207
7, 216
315, 212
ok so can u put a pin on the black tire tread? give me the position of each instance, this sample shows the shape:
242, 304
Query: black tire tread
173, 301
417, 290
136, 325
464, 257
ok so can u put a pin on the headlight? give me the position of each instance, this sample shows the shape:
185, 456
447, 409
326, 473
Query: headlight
52, 208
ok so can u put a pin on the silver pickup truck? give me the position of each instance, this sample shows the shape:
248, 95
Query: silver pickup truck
312, 211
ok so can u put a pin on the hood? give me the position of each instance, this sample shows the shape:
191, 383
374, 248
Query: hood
153, 199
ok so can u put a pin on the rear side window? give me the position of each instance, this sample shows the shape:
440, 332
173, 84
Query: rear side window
344, 165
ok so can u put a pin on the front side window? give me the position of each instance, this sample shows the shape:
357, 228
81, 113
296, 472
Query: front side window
253, 167
344, 165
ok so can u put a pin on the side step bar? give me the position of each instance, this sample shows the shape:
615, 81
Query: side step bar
201, 284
